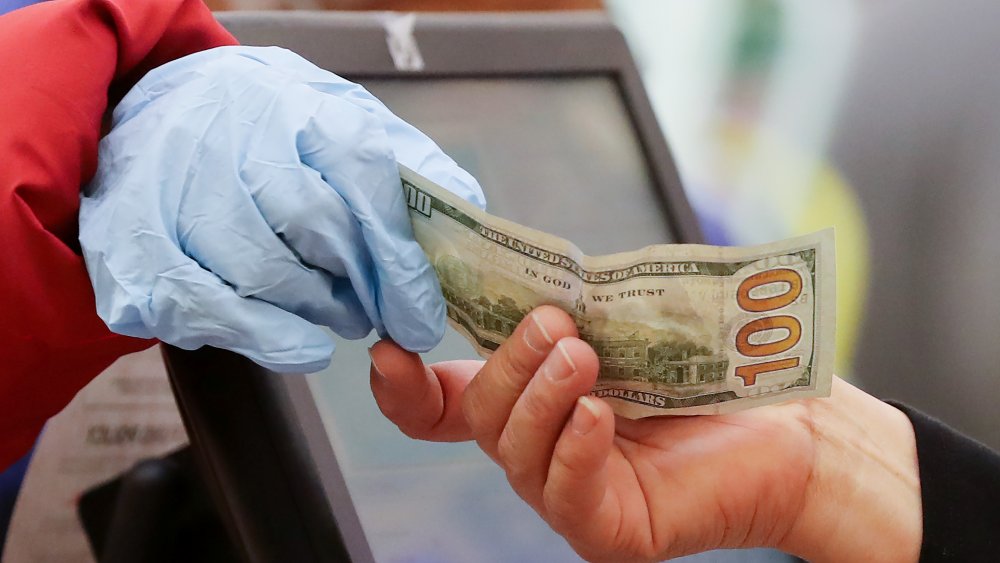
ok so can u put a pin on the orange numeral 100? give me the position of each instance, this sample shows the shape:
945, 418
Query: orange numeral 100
793, 280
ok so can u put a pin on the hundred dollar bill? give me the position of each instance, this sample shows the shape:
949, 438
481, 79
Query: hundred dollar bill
679, 329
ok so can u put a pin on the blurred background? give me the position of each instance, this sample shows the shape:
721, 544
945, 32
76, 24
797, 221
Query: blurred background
878, 118
785, 116
788, 116
874, 117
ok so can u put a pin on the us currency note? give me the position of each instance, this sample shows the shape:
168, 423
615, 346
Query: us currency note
679, 329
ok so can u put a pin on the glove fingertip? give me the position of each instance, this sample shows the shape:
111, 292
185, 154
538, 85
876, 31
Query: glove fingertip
425, 342
423, 328
312, 354
321, 362
468, 189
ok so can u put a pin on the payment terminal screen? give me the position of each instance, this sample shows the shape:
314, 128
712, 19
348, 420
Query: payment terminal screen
557, 154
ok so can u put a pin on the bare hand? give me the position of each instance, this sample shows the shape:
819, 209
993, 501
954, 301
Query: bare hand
643, 490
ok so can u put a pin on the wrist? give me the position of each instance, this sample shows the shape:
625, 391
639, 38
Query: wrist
862, 502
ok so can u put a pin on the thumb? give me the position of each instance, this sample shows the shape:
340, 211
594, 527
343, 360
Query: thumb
424, 402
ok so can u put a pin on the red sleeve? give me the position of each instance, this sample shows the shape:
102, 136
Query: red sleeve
59, 61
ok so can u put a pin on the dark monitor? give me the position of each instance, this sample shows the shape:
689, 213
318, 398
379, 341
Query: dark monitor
547, 150
548, 112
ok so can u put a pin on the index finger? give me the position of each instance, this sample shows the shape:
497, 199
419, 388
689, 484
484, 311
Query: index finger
491, 396
350, 149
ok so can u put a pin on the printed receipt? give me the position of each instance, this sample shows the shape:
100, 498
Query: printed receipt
124, 415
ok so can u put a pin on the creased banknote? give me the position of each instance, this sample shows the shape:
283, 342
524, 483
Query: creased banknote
679, 329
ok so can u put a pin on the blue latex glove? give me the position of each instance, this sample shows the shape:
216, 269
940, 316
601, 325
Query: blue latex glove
245, 196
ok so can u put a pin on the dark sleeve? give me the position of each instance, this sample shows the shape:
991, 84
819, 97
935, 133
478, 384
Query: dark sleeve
960, 491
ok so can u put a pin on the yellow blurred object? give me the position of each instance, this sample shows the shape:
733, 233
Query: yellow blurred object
832, 203
773, 190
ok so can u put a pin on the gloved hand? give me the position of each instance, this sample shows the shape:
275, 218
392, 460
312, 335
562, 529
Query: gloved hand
245, 196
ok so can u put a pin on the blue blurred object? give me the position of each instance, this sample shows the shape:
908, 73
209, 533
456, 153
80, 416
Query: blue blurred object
11, 5
245, 196
10, 484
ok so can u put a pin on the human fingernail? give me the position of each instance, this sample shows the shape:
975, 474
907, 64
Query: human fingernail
377, 371
559, 365
536, 337
585, 415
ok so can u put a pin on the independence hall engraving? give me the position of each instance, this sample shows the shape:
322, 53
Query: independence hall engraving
638, 359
